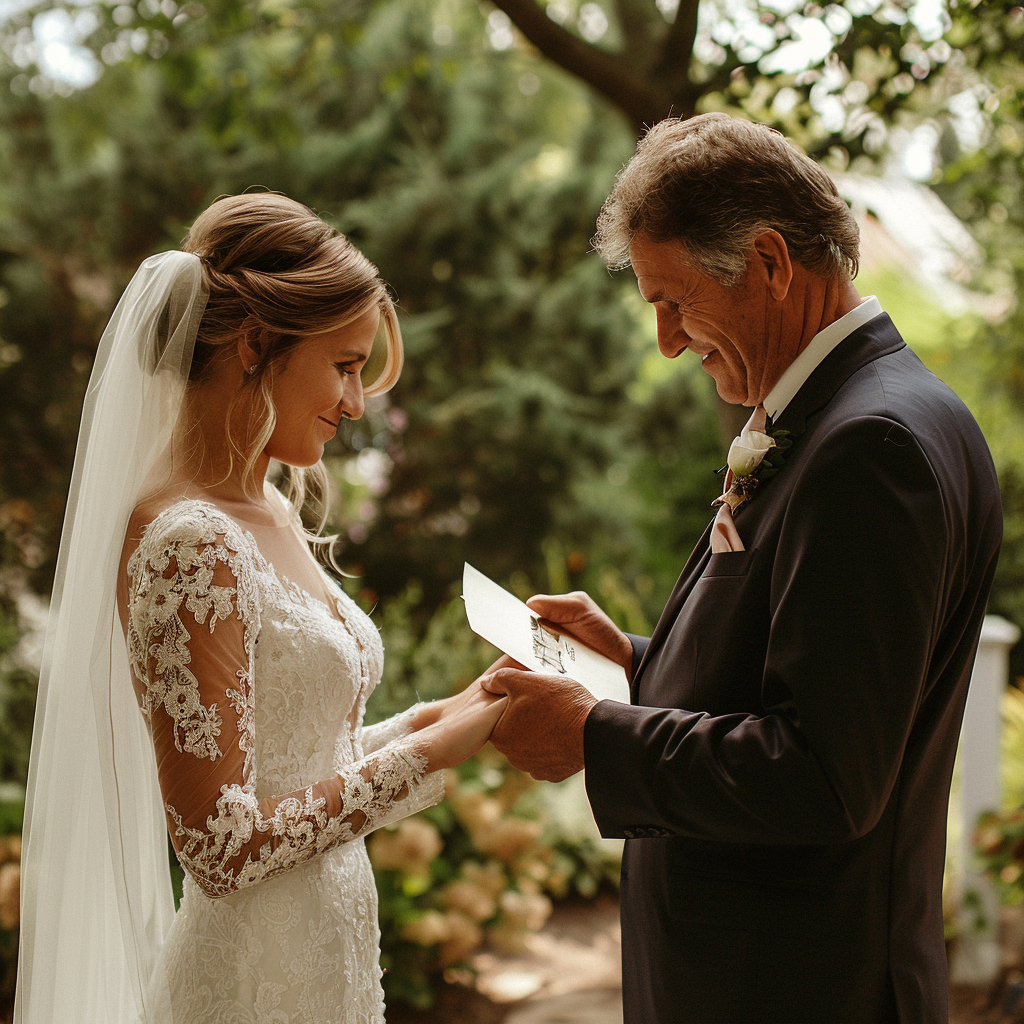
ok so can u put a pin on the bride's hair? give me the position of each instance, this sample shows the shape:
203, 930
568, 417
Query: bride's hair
277, 274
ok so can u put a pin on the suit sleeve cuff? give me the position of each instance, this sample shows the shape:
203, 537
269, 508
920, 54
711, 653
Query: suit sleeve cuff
639, 644
606, 760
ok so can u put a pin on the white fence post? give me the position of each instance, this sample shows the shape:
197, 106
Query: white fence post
977, 955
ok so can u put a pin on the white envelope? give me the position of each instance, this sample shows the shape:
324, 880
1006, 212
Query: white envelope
503, 620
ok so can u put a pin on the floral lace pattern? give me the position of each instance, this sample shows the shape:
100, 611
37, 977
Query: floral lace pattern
173, 686
254, 692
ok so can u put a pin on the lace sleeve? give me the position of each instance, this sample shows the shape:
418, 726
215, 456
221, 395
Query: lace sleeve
193, 622
394, 728
392, 731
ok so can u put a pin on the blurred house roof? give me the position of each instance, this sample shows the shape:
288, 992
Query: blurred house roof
904, 224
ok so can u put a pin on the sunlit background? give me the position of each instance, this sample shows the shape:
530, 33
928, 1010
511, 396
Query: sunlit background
536, 432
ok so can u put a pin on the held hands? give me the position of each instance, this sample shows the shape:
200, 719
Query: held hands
453, 729
535, 720
541, 728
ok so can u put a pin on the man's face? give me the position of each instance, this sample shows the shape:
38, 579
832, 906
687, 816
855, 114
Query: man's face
726, 327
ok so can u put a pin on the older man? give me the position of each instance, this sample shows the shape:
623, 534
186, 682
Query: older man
782, 772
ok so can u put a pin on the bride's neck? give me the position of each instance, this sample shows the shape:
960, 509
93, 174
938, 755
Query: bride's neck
202, 450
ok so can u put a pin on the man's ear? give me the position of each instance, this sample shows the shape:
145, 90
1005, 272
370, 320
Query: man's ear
771, 249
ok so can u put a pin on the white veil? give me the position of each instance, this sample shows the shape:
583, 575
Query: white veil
96, 893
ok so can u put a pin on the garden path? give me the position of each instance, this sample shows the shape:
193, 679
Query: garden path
568, 973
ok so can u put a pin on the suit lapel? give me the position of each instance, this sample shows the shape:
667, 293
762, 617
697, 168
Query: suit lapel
695, 565
876, 338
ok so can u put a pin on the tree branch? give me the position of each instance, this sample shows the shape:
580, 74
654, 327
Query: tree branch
677, 47
722, 76
640, 101
635, 17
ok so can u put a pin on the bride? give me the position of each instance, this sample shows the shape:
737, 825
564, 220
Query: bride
186, 588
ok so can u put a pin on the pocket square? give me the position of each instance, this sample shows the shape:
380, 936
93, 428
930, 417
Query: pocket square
724, 536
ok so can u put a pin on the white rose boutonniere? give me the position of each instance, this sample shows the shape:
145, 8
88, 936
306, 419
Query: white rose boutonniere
755, 455
748, 450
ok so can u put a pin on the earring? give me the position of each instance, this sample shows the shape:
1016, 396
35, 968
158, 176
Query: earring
250, 370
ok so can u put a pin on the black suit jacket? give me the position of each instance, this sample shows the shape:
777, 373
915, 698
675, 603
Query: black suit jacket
782, 773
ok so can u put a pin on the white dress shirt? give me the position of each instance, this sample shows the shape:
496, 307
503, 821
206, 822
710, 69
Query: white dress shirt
819, 346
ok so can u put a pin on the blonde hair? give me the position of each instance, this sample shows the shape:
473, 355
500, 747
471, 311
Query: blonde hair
278, 274
715, 182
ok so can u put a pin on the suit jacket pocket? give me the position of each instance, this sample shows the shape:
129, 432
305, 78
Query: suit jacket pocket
729, 563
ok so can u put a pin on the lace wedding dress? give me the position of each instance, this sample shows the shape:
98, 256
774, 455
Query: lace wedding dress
254, 691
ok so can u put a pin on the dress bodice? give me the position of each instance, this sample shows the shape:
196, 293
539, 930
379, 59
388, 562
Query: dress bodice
315, 667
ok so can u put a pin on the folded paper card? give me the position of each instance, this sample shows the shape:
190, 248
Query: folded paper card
513, 628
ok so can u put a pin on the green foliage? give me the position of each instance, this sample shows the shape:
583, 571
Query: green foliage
999, 843
984, 186
1012, 749
17, 701
421, 667
10, 877
644, 513
999, 837
17, 704
517, 367
923, 322
434, 161
843, 109
536, 432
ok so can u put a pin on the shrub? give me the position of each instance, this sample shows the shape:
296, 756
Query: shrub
481, 867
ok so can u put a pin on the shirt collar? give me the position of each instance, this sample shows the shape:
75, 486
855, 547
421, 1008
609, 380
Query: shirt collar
819, 346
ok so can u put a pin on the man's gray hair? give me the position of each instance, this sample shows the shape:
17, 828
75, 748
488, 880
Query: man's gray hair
714, 183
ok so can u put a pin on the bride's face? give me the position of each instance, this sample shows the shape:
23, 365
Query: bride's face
318, 387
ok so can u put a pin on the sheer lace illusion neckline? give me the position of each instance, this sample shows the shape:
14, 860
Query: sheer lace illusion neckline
270, 546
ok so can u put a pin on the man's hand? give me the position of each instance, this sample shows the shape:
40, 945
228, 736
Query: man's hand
578, 615
541, 729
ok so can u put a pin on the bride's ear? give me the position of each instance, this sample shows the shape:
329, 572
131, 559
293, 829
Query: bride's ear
250, 349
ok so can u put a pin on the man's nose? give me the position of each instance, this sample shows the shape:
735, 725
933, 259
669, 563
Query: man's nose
672, 339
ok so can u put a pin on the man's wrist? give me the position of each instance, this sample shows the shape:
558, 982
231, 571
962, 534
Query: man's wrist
638, 647
579, 728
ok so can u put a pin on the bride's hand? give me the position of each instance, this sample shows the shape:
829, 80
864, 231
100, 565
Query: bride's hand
449, 731
429, 713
